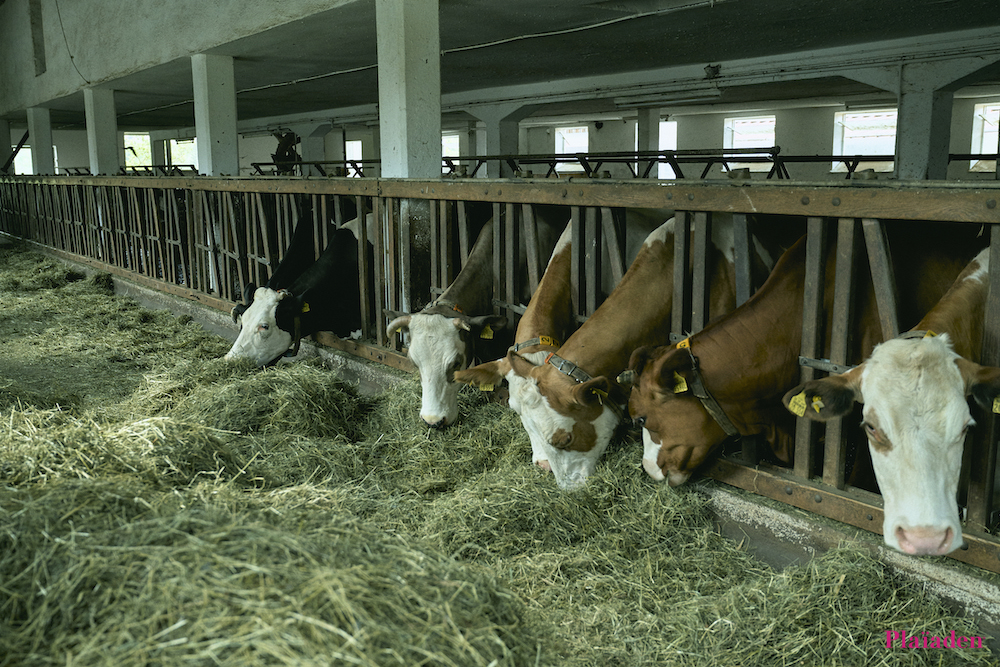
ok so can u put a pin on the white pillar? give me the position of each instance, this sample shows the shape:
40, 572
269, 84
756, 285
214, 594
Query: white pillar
102, 131
215, 114
409, 87
648, 125
40, 137
501, 121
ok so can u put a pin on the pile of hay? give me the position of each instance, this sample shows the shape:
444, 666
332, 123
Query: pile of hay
167, 507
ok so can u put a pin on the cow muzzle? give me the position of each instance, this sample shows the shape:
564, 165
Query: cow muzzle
925, 540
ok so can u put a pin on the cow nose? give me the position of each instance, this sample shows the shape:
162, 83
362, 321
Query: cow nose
924, 540
436, 422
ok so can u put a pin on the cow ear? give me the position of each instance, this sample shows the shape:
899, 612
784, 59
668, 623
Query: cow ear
592, 391
521, 366
827, 398
982, 383
486, 376
669, 376
484, 326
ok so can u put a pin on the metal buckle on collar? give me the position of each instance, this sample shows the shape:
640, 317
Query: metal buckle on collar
571, 370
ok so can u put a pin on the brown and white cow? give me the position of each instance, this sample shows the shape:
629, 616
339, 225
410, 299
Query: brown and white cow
915, 391
570, 403
548, 320
748, 359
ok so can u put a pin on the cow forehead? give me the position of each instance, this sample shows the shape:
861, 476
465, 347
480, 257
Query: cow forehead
434, 337
265, 301
913, 389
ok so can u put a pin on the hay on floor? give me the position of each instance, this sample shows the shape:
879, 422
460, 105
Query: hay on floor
159, 505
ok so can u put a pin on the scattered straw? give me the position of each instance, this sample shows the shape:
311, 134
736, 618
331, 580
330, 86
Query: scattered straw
159, 505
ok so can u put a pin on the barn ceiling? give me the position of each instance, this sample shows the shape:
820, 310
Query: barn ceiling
329, 60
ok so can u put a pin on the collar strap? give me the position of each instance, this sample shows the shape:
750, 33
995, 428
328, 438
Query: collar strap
296, 338
918, 333
541, 340
697, 386
445, 304
571, 370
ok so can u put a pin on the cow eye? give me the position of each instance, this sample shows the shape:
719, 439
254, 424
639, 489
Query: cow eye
263, 327
870, 430
639, 422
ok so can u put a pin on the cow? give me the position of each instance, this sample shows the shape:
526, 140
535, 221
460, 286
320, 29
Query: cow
445, 333
729, 378
301, 297
914, 390
548, 320
570, 403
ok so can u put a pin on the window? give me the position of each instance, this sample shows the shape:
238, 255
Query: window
752, 132
865, 133
352, 151
450, 147
985, 135
137, 150
571, 140
184, 151
23, 164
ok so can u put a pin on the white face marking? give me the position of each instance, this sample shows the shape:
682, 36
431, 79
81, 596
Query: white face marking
436, 347
260, 338
541, 421
915, 403
650, 452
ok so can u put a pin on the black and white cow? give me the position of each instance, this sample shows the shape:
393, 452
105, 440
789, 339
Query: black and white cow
301, 298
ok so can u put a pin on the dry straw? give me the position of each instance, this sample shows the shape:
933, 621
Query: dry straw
160, 506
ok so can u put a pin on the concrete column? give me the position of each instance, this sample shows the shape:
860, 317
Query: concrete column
215, 114
648, 134
923, 134
43, 161
102, 131
312, 144
158, 151
501, 121
409, 85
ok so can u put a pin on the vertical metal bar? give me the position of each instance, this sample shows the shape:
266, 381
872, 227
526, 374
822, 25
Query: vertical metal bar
364, 271
577, 253
835, 447
743, 248
464, 244
592, 258
530, 235
393, 257
510, 252
437, 214
812, 338
615, 251
679, 322
498, 281
983, 443
700, 271
882, 277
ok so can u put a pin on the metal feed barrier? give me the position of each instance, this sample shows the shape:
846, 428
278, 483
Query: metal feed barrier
206, 238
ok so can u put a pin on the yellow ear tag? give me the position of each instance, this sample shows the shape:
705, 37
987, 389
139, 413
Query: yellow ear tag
486, 387
601, 395
684, 344
930, 334
486, 333
305, 307
817, 404
680, 384
996, 405
798, 404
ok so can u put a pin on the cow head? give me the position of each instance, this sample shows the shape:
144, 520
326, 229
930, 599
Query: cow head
439, 346
569, 423
267, 323
678, 433
916, 416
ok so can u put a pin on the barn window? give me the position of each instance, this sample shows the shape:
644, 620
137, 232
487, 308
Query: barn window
451, 146
985, 135
571, 140
184, 151
22, 163
352, 151
865, 133
137, 150
749, 132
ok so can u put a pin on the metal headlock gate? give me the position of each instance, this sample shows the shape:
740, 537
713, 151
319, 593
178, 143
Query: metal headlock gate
207, 238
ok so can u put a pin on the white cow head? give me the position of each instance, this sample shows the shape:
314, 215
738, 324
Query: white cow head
916, 416
261, 338
439, 346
